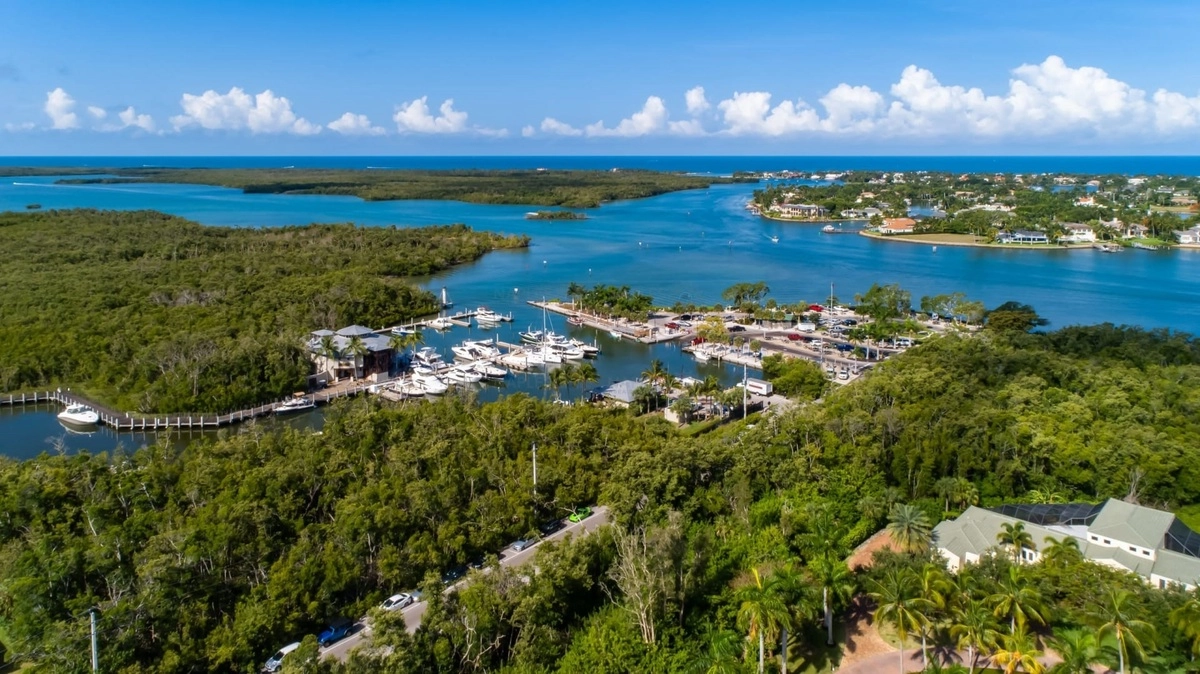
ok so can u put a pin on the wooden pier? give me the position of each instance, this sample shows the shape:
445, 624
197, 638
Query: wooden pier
646, 334
126, 421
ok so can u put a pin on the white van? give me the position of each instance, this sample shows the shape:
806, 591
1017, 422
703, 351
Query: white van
276, 660
759, 387
806, 327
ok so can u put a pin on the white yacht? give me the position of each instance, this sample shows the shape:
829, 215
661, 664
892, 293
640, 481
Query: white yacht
701, 355
432, 384
465, 352
404, 330
549, 356
464, 375
532, 336
485, 315
615, 334
489, 371
589, 350
428, 355
408, 388
565, 351
534, 359
80, 415
441, 323
484, 349
295, 404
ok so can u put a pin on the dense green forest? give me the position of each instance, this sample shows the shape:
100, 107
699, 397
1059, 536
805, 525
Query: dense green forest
211, 557
574, 189
152, 312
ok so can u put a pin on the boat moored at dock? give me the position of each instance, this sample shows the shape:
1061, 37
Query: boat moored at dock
79, 415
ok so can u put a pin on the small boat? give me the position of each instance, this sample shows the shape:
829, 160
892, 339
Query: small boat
402, 331
701, 355
574, 319
935, 249
441, 323
409, 388
531, 336
80, 415
828, 229
485, 315
615, 334
774, 239
427, 355
297, 403
589, 350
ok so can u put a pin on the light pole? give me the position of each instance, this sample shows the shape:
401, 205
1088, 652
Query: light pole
95, 645
535, 470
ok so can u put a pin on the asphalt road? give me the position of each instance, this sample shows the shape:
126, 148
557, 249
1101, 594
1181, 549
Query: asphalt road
508, 557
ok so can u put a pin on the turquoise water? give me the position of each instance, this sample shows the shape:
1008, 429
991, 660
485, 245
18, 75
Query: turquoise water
685, 246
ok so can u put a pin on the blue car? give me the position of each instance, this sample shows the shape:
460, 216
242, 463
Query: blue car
337, 630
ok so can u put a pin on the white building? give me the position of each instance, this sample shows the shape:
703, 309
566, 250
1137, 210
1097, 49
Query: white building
1077, 233
801, 210
1151, 543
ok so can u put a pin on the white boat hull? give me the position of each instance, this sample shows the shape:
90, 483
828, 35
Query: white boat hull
80, 417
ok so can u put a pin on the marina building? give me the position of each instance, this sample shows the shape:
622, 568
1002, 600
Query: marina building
1151, 543
357, 351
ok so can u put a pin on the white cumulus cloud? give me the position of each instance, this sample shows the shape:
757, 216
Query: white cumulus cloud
528, 131
130, 118
696, 102
350, 124
59, 108
97, 112
237, 110
553, 126
650, 119
750, 112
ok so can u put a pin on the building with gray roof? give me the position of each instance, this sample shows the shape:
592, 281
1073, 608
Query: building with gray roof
1151, 543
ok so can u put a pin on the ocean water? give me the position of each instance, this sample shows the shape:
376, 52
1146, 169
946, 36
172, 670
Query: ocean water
685, 246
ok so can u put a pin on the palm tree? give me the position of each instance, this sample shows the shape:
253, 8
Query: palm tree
837, 582
1186, 619
575, 290
329, 349
721, 657
1013, 534
909, 528
965, 493
1061, 552
585, 373
974, 628
1117, 614
898, 602
567, 376
357, 348
1018, 652
655, 372
1078, 650
791, 586
946, 488
761, 612
933, 587
1017, 601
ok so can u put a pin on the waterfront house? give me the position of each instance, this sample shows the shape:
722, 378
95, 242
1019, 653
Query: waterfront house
897, 226
1151, 543
800, 210
1022, 236
623, 392
1085, 201
1188, 236
1183, 199
374, 362
871, 212
1077, 233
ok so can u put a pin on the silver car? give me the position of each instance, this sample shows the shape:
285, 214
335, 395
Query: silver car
396, 602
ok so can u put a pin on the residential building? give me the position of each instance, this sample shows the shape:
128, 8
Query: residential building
1022, 236
1183, 200
1188, 236
375, 361
1077, 233
1086, 201
622, 392
1151, 543
897, 226
800, 210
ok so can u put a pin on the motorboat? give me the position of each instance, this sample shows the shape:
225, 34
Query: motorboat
408, 387
615, 334
463, 375
489, 371
484, 349
566, 351
533, 359
441, 323
702, 355
589, 350
418, 368
428, 355
532, 336
295, 404
80, 415
432, 384
828, 229
550, 356
404, 330
485, 315
575, 319
465, 352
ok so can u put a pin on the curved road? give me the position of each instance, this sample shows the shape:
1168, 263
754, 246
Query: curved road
508, 557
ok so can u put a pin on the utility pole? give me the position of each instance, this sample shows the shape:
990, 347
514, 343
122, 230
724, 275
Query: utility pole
95, 646
535, 470
745, 390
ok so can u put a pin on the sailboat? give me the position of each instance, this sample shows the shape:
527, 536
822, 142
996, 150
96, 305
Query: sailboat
446, 303
548, 355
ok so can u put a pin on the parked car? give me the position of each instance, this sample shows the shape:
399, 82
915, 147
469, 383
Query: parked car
673, 325
842, 374
849, 321
547, 528
580, 514
275, 662
523, 544
844, 347
684, 317
795, 337
396, 602
335, 632
449, 577
736, 328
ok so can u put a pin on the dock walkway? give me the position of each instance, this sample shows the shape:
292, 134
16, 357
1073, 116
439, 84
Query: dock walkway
644, 333
127, 421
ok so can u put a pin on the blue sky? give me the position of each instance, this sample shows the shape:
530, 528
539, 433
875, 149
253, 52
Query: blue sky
1017, 77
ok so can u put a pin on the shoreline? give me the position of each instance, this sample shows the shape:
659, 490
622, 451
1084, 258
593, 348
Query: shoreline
809, 222
918, 239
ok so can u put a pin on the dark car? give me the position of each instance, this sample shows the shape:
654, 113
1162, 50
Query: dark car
844, 347
550, 527
337, 630
850, 321
737, 328
453, 575
684, 317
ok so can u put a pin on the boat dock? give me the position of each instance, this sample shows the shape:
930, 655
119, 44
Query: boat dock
127, 421
462, 319
639, 332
